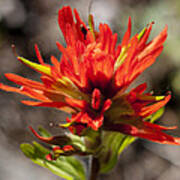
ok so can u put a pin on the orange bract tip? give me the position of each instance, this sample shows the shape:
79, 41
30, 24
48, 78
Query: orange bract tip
38, 54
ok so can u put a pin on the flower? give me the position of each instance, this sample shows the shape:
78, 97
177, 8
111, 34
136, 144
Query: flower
91, 79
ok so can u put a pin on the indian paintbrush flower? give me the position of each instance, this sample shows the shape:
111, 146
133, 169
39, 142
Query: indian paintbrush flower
91, 79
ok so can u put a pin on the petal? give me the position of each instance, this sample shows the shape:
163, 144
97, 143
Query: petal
96, 99
24, 81
106, 105
137, 58
35, 94
38, 54
24, 91
127, 35
96, 123
11, 89
65, 17
55, 62
146, 131
81, 104
54, 140
140, 89
72, 31
148, 110
60, 105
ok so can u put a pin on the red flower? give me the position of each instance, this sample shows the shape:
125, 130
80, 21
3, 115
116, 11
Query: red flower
92, 76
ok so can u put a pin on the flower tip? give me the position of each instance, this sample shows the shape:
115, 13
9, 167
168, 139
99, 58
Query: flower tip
29, 103
49, 157
36, 46
60, 47
68, 148
172, 127
166, 27
38, 67
35, 133
177, 141
19, 58
65, 8
7, 75
22, 60
164, 31
129, 22
24, 102
58, 150
64, 126
38, 54
168, 96
159, 98
75, 11
32, 130
1, 85
46, 140
169, 92
57, 44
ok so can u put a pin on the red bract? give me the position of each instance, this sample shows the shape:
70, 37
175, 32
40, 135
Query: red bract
91, 79
57, 151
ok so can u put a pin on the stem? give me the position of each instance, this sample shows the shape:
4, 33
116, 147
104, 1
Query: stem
94, 169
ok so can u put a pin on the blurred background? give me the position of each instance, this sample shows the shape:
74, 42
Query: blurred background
24, 23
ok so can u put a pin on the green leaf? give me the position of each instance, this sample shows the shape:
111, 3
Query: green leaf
77, 142
66, 167
112, 144
28, 150
43, 132
154, 117
92, 140
157, 115
126, 142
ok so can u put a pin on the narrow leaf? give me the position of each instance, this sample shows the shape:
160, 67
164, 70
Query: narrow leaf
113, 143
43, 132
66, 167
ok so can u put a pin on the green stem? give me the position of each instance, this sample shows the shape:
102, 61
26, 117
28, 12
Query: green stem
94, 169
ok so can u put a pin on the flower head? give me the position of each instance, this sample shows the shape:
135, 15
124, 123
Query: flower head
91, 79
